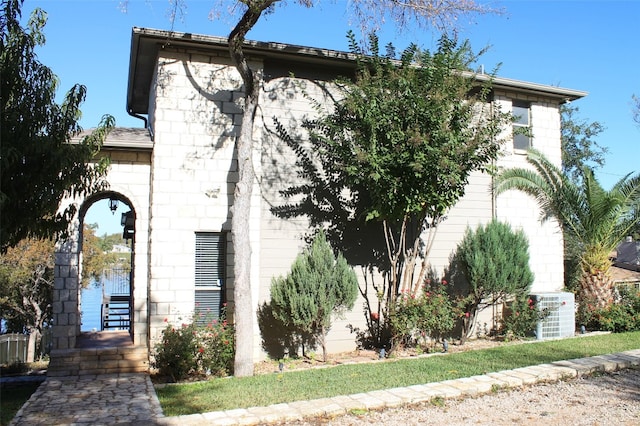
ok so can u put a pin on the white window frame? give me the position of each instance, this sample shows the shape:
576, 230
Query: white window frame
521, 127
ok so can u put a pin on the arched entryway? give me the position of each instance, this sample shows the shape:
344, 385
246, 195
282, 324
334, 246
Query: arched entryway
106, 299
128, 183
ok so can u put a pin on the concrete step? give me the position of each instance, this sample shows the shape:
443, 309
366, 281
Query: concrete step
102, 360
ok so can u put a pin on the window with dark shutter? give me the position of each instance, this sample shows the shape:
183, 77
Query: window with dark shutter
210, 275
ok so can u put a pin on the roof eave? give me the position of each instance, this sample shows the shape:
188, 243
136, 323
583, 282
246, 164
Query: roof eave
146, 43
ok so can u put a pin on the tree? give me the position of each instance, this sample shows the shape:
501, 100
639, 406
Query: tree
402, 142
579, 149
97, 255
493, 261
319, 286
369, 14
40, 165
596, 219
26, 286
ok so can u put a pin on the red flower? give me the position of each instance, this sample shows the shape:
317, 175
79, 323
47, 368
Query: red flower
467, 314
374, 316
444, 282
166, 320
201, 350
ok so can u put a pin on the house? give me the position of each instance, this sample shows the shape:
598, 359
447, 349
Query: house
177, 176
628, 255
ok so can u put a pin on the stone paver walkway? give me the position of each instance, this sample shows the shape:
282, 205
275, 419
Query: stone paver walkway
131, 399
106, 399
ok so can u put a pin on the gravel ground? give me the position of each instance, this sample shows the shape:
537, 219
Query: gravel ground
604, 399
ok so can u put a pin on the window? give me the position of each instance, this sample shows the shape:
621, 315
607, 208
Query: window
521, 125
210, 274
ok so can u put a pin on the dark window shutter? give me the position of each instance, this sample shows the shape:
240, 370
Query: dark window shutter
210, 259
210, 275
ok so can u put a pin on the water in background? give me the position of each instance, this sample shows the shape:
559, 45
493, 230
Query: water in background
91, 303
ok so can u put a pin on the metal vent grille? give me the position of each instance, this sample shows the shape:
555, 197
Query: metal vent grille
560, 321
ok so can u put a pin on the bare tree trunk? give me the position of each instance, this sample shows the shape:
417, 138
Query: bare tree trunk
240, 231
244, 311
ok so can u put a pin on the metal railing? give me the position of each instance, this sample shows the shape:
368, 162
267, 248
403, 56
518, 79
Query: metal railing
117, 281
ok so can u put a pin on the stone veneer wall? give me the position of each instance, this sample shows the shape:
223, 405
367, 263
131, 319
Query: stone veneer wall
521, 211
196, 117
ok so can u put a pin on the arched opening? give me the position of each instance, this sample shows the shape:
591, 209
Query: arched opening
107, 264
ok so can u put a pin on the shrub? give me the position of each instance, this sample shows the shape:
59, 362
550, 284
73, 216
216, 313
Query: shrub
620, 316
491, 264
427, 314
176, 353
319, 285
216, 348
196, 348
521, 317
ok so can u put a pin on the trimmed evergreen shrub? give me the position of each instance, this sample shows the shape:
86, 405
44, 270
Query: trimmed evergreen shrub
318, 286
492, 266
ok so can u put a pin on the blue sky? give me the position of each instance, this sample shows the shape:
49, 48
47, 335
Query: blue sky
585, 45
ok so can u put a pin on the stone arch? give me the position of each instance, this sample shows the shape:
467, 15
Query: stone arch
66, 299
68, 273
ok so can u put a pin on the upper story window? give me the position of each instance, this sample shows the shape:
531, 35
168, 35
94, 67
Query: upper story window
521, 125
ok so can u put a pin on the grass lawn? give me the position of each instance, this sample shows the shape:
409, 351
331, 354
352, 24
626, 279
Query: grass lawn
12, 398
267, 389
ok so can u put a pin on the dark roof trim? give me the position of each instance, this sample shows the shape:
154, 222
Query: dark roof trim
145, 44
123, 138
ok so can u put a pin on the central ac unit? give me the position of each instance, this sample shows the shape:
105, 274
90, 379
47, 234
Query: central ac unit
559, 315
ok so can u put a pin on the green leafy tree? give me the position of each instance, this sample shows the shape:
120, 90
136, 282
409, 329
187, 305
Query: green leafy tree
402, 141
318, 286
26, 286
492, 265
596, 219
97, 255
39, 163
579, 147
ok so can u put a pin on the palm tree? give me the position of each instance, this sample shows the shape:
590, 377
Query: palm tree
596, 219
